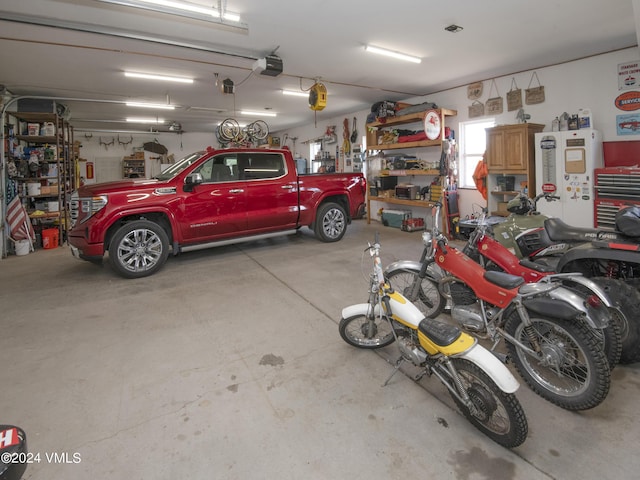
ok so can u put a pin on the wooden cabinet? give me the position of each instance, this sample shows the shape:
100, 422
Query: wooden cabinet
510, 156
511, 148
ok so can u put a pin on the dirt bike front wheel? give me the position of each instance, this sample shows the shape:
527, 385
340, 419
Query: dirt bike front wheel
497, 414
368, 332
571, 370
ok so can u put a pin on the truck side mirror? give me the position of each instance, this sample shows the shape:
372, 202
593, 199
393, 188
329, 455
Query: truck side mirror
192, 180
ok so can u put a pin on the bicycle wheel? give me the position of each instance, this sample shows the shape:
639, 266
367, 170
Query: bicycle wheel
258, 130
229, 129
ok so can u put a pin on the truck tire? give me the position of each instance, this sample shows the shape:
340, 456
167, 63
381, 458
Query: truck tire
138, 249
331, 222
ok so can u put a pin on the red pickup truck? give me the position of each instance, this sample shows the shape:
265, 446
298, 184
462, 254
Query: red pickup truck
209, 198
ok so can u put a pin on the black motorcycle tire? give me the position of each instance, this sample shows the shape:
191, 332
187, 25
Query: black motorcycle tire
430, 301
627, 299
499, 415
362, 332
583, 378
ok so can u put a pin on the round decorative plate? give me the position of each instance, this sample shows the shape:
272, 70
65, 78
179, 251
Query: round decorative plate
432, 126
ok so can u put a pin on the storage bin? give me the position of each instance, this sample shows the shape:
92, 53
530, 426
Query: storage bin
50, 238
394, 218
33, 188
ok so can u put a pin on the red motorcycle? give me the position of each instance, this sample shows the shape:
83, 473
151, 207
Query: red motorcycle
492, 255
548, 329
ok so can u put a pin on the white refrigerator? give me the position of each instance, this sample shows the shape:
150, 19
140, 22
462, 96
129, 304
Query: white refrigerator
564, 165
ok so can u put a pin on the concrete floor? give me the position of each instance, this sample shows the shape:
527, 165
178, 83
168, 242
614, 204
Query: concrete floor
228, 364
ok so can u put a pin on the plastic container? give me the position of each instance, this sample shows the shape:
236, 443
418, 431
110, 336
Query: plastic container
23, 247
53, 206
49, 238
33, 188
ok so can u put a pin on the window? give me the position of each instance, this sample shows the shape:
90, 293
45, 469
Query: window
263, 166
218, 169
473, 142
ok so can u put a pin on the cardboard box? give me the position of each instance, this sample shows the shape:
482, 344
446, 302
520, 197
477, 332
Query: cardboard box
394, 218
502, 206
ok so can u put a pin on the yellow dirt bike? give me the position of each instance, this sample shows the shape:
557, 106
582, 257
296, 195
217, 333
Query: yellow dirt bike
480, 384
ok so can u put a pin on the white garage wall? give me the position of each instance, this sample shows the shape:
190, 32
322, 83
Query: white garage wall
587, 83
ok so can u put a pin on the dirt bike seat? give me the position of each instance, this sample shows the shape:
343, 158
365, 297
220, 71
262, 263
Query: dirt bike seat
440, 333
503, 279
559, 231
538, 267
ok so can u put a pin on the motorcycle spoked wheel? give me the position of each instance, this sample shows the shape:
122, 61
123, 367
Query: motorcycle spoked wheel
572, 371
498, 415
627, 299
362, 331
429, 301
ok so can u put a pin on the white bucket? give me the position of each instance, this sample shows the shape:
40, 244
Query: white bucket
33, 188
23, 247
53, 206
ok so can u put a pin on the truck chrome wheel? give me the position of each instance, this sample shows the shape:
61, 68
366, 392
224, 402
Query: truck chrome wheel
331, 222
138, 249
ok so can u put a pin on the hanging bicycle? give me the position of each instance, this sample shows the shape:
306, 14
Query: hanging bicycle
230, 132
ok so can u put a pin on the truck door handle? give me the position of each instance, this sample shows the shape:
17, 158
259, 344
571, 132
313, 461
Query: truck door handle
236, 190
287, 187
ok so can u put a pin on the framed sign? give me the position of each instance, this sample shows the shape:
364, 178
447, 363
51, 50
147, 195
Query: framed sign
432, 124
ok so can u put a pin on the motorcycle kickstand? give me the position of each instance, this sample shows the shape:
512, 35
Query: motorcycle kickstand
395, 370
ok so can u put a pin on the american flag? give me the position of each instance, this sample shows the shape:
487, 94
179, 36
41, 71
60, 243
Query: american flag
20, 227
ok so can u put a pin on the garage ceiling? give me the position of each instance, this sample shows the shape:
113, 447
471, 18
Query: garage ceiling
79, 49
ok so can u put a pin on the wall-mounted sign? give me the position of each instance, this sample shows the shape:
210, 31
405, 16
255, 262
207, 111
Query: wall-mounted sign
628, 101
628, 75
628, 124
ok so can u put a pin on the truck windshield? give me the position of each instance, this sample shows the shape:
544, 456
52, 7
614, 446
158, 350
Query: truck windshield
179, 166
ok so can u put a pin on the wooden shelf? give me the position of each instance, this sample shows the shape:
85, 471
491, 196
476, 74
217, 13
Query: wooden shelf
374, 127
504, 192
38, 138
402, 201
46, 215
408, 173
409, 118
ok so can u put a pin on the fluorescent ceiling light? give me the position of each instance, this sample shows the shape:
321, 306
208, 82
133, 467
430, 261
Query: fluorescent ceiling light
296, 93
180, 8
166, 78
258, 114
144, 120
391, 53
162, 106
